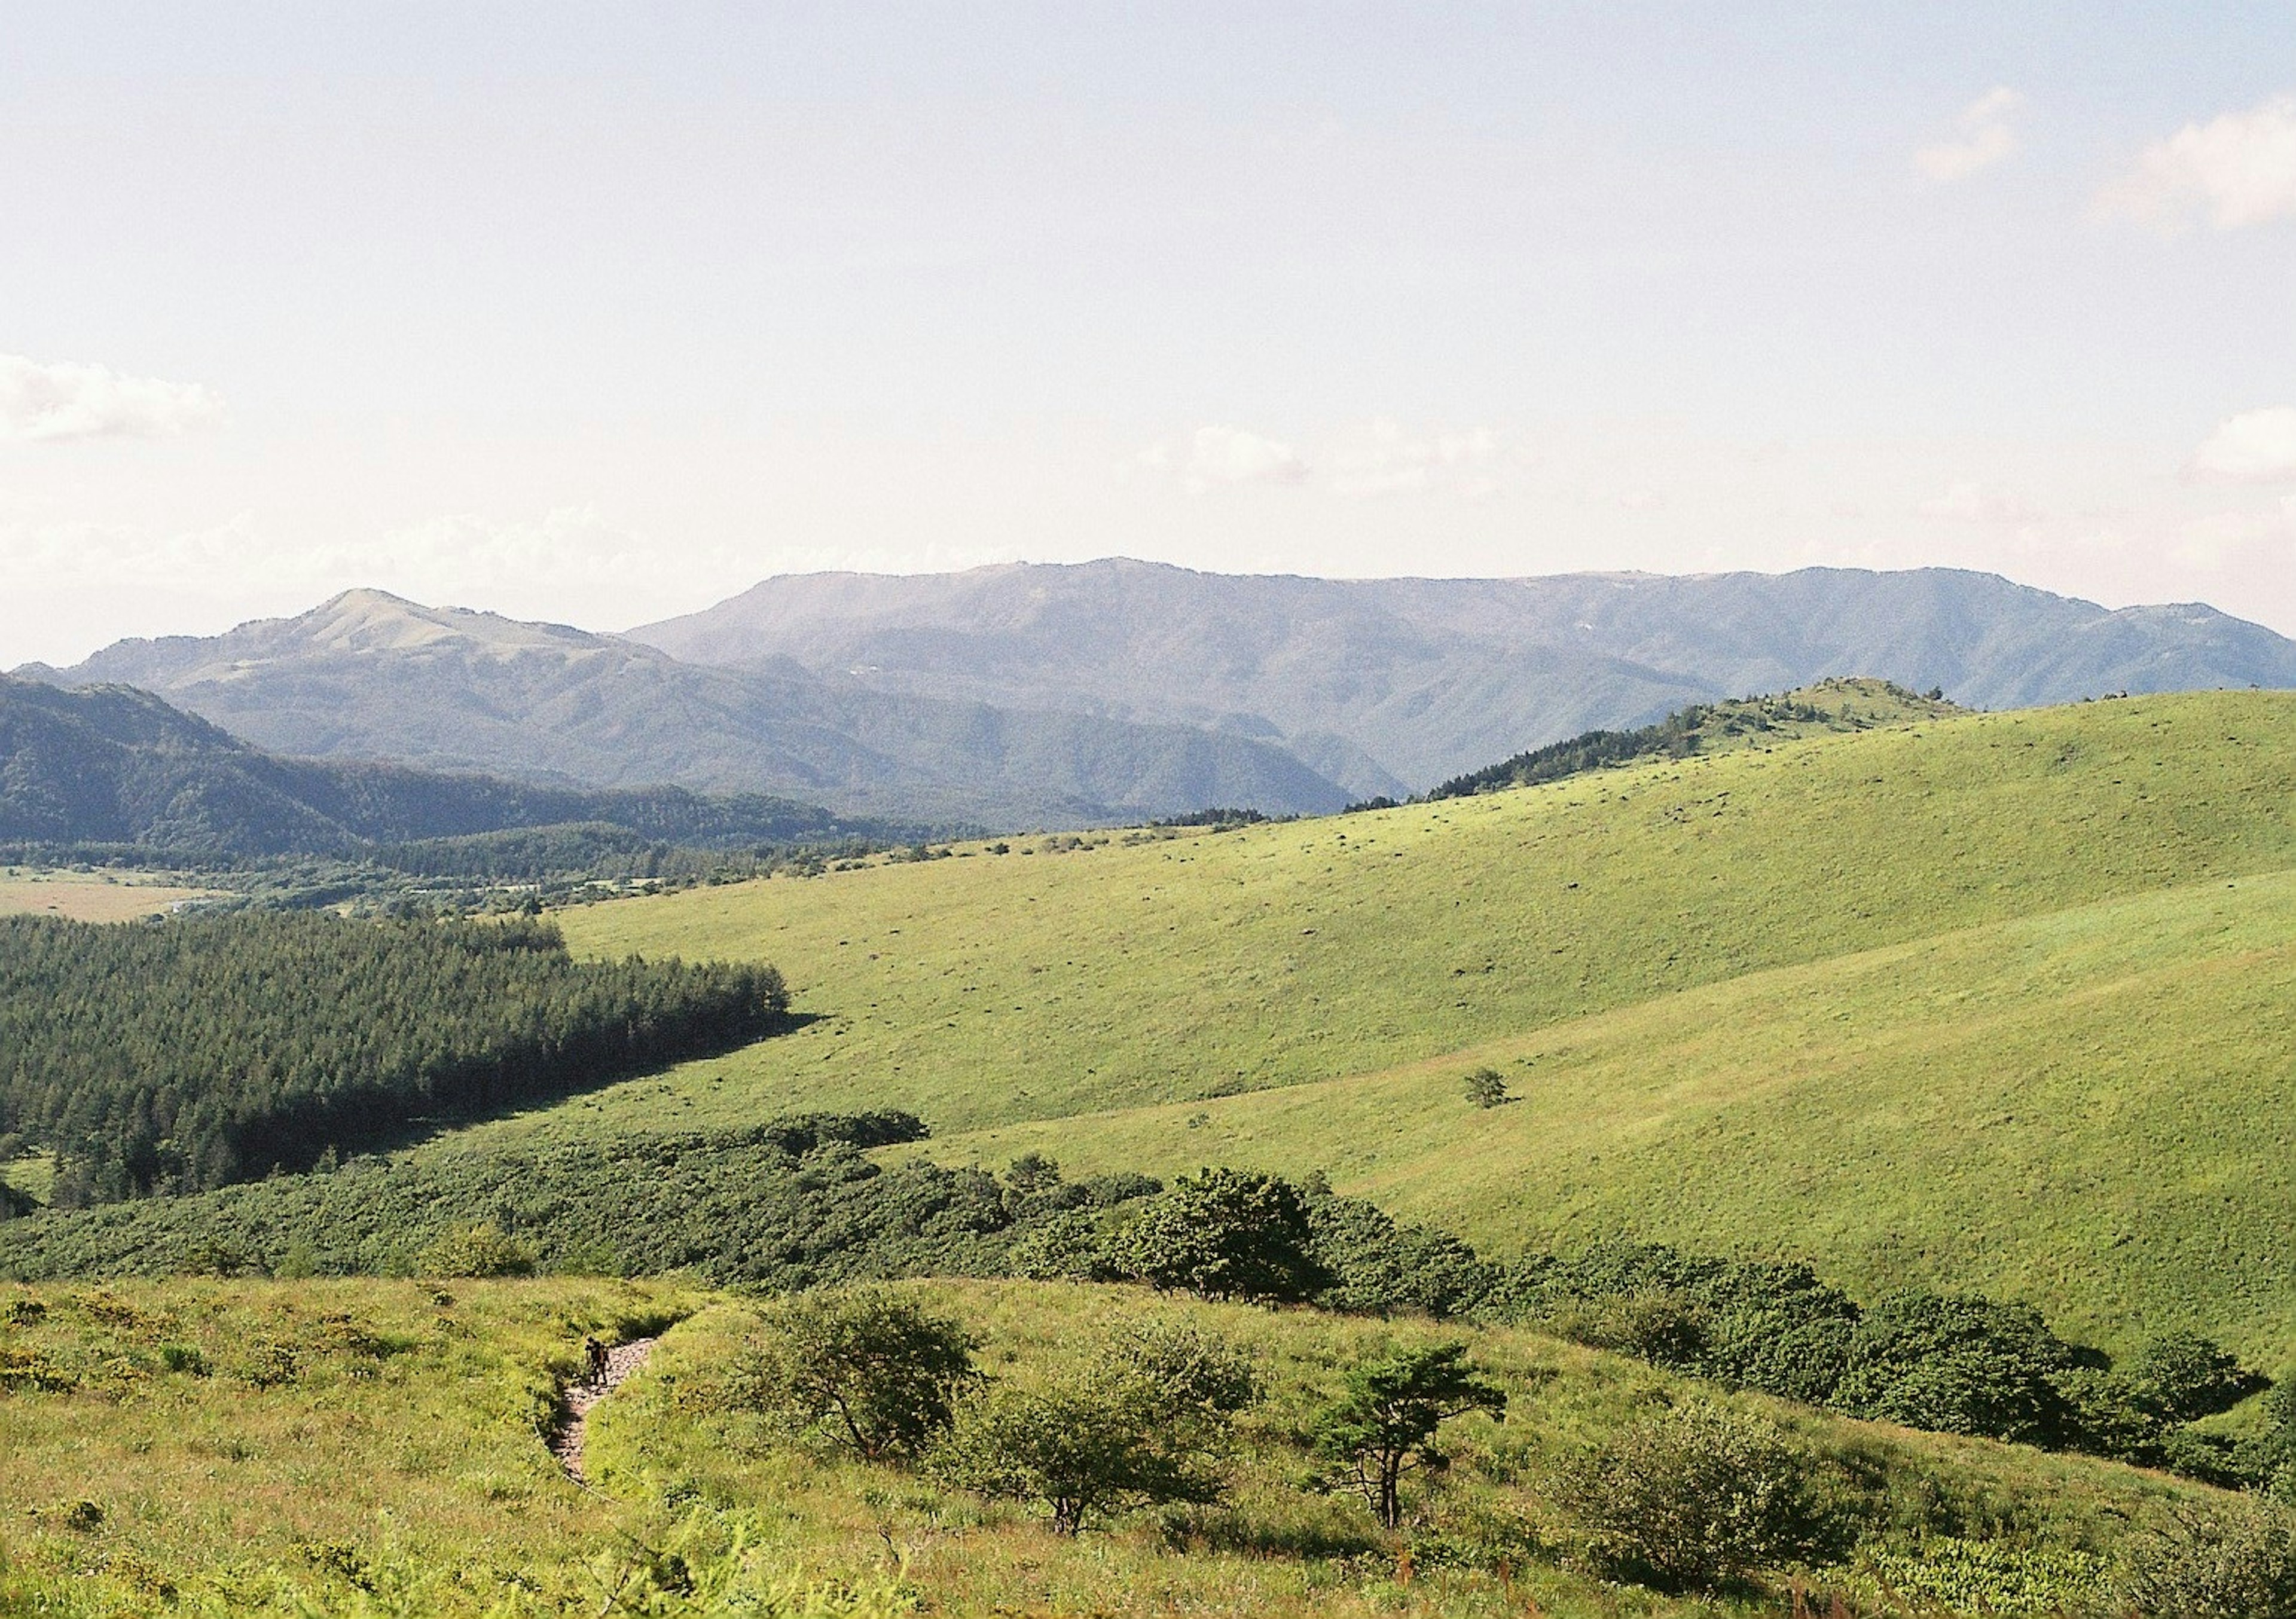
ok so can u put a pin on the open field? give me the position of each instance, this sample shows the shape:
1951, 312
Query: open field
1999, 1001
86, 898
373, 1447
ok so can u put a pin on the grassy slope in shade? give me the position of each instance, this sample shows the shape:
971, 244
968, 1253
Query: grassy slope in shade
992, 991
385, 1432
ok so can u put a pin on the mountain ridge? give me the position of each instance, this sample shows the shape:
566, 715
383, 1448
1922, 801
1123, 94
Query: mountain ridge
366, 675
1393, 684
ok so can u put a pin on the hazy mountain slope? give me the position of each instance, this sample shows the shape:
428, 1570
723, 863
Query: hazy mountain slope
370, 675
1391, 684
112, 764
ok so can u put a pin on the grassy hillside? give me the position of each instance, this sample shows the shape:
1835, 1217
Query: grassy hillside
1958, 999
375, 1447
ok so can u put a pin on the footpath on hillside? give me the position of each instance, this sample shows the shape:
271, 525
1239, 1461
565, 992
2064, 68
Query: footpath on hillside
566, 1438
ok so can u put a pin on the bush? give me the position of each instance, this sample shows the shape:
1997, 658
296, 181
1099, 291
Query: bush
1224, 1234
865, 1366
2188, 1377
1486, 1088
1699, 1497
1145, 1422
1064, 1246
484, 1249
1959, 1363
2236, 1562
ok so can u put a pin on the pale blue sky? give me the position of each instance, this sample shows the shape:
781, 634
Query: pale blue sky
599, 311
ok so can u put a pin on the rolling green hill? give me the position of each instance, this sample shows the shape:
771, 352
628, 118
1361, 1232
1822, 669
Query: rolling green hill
1968, 1000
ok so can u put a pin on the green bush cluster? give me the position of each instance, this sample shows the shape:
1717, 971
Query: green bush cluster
787, 1204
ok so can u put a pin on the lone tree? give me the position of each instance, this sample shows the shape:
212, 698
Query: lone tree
1384, 1425
866, 1366
1147, 1421
1486, 1088
1225, 1233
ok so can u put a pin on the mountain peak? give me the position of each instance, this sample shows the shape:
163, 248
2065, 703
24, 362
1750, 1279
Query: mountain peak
371, 620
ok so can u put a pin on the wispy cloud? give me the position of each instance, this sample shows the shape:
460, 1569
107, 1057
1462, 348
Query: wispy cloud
1218, 456
2253, 447
64, 399
1981, 503
1384, 459
2239, 169
1984, 134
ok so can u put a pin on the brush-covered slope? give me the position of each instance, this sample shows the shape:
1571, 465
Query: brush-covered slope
1773, 1000
1391, 685
368, 675
370, 1447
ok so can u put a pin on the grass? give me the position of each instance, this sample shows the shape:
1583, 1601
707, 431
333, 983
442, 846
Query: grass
84, 898
233, 1446
242, 1442
1995, 1000
2086, 1111
34, 1175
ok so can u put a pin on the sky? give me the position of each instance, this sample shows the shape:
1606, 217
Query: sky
599, 312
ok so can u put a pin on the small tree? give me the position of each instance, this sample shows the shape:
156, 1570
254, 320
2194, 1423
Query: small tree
1146, 1421
1486, 1088
1224, 1233
1384, 1425
867, 1366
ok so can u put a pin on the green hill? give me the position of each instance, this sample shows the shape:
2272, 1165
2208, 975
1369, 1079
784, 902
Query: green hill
1966, 1000
375, 1447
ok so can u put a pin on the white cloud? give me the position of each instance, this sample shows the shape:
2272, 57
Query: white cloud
1985, 137
2224, 539
2239, 169
2253, 447
66, 400
1230, 455
1384, 459
1981, 503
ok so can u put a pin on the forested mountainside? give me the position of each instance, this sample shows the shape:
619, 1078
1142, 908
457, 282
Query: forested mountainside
1390, 686
370, 676
114, 766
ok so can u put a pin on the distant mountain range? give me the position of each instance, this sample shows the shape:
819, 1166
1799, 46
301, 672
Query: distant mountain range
113, 765
1390, 685
370, 676
1048, 695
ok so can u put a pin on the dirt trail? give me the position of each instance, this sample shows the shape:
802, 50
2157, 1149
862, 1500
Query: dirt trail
566, 1439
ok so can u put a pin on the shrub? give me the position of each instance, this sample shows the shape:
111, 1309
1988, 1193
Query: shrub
1064, 1246
1486, 1088
1960, 1363
484, 1249
1146, 1421
866, 1366
2188, 1377
1698, 1497
2236, 1562
1224, 1234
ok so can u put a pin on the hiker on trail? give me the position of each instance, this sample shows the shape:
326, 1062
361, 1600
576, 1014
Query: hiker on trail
594, 1357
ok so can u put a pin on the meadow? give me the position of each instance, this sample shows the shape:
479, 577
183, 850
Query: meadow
375, 1447
1996, 1000
83, 898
